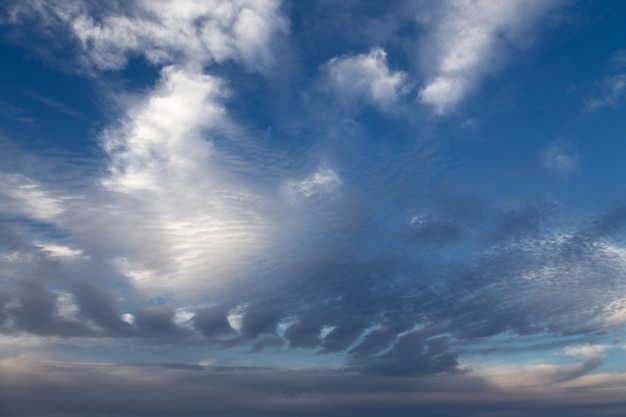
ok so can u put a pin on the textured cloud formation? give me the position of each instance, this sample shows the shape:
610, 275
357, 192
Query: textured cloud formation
412, 322
365, 78
199, 218
472, 39
164, 32
210, 227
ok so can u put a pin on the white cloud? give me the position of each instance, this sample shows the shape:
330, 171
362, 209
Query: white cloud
61, 252
183, 222
182, 316
365, 78
167, 32
66, 304
128, 318
21, 195
170, 211
161, 140
470, 40
235, 317
587, 350
323, 181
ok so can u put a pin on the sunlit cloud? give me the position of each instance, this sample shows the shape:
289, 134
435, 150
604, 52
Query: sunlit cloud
262, 215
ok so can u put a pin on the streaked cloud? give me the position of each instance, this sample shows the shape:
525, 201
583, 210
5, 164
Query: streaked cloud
473, 39
612, 90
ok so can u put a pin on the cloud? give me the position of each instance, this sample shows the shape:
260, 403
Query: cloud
560, 159
213, 322
472, 39
99, 306
323, 181
196, 231
56, 105
169, 177
36, 386
417, 352
322, 281
24, 195
38, 312
157, 320
192, 31
14, 113
542, 375
365, 78
612, 89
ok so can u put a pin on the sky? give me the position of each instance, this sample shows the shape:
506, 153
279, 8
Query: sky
254, 208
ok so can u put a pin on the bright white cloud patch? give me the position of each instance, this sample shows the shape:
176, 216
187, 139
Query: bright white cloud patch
167, 32
192, 222
66, 304
365, 78
471, 39
161, 141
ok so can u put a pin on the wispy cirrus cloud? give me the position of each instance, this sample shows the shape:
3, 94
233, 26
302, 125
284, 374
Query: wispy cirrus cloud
612, 88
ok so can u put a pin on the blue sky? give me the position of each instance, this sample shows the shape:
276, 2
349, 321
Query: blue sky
286, 208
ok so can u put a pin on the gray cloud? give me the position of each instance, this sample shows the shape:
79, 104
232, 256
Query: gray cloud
304, 333
97, 305
37, 312
413, 354
212, 322
343, 335
521, 284
158, 321
159, 390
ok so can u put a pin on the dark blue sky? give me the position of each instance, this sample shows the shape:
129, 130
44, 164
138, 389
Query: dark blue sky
252, 208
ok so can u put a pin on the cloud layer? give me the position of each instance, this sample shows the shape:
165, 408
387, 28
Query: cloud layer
107, 36
273, 222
